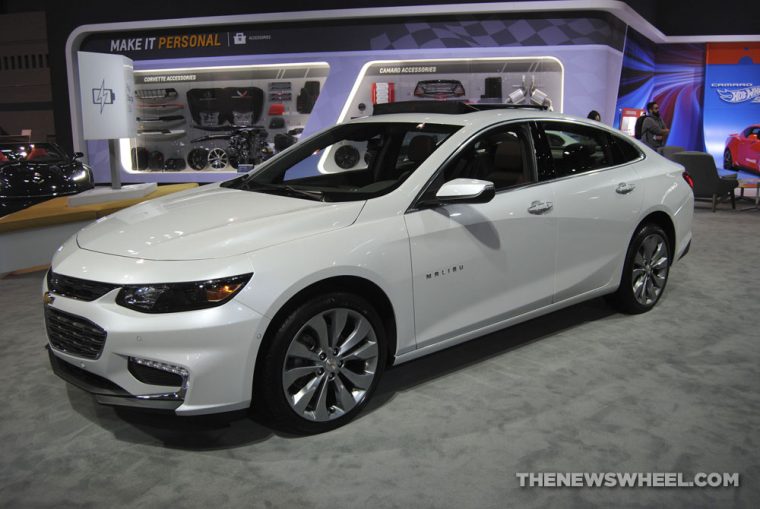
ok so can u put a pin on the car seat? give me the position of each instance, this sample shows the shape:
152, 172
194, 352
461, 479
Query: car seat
37, 153
508, 166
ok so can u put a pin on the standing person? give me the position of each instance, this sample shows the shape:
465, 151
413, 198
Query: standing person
594, 115
653, 130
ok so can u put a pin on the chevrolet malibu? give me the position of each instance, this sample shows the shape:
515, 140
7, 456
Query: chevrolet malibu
374, 242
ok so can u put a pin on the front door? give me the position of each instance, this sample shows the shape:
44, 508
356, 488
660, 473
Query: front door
477, 264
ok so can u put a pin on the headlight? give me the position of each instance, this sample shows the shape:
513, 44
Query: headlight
80, 176
176, 297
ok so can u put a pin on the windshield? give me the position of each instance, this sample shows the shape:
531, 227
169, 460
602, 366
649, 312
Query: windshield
349, 162
36, 152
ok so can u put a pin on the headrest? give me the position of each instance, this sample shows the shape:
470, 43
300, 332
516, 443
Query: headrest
508, 156
420, 147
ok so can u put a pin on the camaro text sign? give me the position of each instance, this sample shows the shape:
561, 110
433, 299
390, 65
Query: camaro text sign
106, 88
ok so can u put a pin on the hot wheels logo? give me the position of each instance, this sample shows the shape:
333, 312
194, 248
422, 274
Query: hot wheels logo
740, 95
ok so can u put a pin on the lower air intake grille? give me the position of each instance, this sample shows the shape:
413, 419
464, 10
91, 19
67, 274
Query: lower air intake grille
73, 334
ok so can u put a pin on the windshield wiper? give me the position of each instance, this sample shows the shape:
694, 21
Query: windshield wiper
289, 190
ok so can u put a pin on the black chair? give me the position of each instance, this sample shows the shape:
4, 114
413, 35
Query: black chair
669, 151
707, 182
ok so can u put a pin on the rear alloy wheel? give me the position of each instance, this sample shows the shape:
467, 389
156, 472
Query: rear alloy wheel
728, 160
645, 273
323, 364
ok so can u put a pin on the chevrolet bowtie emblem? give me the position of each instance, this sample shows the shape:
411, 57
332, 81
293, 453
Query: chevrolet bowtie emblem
48, 298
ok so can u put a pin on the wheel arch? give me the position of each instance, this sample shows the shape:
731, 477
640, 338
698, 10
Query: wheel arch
352, 284
664, 221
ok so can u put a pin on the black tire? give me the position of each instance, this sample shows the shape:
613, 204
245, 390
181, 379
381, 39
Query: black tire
292, 334
643, 281
728, 160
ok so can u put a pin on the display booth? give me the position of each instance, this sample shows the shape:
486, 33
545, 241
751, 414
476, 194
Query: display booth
212, 94
209, 98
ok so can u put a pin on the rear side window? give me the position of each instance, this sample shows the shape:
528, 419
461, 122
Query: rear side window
577, 148
623, 150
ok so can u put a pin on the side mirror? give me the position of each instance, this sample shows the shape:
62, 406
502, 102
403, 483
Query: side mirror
752, 137
78, 155
465, 191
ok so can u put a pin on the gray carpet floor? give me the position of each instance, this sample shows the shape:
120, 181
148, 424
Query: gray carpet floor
581, 390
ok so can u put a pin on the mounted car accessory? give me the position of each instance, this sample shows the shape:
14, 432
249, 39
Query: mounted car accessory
197, 158
277, 123
140, 158
207, 106
174, 164
217, 158
492, 88
279, 86
156, 95
156, 160
528, 92
277, 97
308, 96
245, 145
439, 89
276, 109
346, 156
383, 93
244, 105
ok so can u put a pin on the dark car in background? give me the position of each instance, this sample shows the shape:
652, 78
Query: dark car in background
34, 172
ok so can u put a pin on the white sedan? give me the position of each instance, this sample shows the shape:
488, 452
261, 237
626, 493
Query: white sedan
372, 243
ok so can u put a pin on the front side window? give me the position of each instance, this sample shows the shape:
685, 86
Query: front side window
501, 156
349, 162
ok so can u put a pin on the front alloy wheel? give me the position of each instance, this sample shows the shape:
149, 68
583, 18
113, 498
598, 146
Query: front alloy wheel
323, 364
330, 364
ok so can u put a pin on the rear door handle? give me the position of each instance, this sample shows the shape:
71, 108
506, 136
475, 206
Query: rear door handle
624, 188
540, 207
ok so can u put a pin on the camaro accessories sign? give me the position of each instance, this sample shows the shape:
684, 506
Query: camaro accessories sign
107, 96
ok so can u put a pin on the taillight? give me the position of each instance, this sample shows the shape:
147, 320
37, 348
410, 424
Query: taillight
688, 179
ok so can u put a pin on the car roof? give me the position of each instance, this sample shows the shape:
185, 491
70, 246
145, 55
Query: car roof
474, 119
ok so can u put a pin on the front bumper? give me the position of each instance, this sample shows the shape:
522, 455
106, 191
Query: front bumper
214, 350
107, 392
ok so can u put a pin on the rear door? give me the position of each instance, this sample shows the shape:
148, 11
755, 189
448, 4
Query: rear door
597, 200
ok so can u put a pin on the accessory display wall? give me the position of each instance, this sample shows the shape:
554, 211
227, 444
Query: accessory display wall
213, 119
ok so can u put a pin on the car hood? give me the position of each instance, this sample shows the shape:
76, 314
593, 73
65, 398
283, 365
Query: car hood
27, 178
212, 222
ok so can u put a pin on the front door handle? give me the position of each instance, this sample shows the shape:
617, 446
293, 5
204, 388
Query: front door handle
540, 207
624, 188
